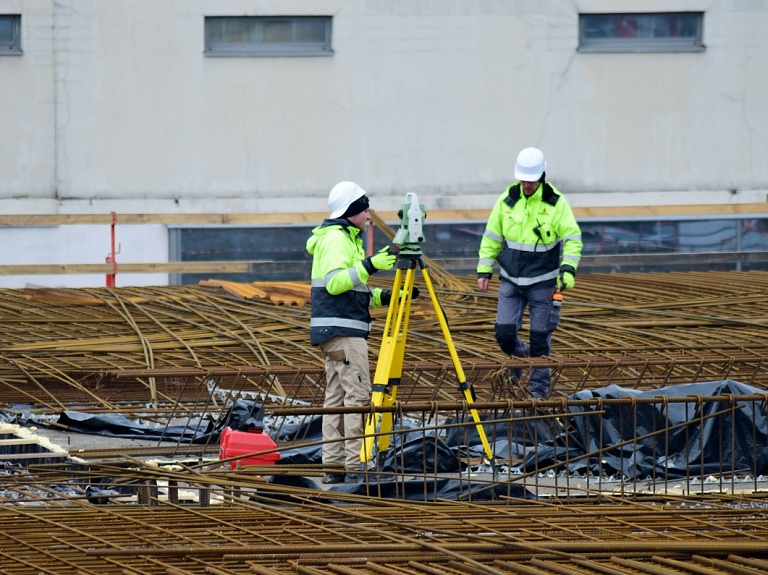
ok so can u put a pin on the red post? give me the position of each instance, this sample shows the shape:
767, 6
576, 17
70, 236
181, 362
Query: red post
110, 259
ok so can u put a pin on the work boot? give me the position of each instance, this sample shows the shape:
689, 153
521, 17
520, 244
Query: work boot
515, 374
352, 478
331, 478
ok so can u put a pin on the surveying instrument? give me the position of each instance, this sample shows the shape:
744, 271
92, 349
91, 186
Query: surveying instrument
389, 367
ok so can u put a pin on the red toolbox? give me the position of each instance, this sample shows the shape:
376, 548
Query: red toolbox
234, 443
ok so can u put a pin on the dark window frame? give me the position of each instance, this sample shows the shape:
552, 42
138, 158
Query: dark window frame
639, 42
14, 49
267, 49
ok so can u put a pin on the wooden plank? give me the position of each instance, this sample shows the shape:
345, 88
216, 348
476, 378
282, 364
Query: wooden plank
468, 264
19, 441
33, 220
312, 218
46, 455
49, 220
671, 211
55, 269
232, 267
147, 268
150, 268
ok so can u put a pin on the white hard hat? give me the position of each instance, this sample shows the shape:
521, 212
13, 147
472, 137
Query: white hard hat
342, 196
530, 165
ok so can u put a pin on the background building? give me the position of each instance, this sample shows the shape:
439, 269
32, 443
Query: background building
260, 106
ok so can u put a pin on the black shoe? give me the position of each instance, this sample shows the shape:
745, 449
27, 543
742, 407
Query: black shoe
331, 478
352, 478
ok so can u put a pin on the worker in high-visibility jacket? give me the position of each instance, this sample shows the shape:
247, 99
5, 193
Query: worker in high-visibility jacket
341, 321
535, 239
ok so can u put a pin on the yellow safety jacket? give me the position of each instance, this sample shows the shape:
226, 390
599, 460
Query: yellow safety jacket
340, 293
533, 238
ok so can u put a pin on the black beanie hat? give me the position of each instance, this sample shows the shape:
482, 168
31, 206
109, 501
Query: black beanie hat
359, 205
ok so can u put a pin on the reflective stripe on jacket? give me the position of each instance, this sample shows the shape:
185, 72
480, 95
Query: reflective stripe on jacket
532, 238
340, 293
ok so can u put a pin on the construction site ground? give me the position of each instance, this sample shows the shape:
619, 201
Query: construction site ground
666, 372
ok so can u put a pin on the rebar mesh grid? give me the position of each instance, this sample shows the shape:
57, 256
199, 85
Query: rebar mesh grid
163, 353
283, 531
645, 331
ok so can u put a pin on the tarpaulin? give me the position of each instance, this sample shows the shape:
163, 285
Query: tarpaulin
672, 439
632, 439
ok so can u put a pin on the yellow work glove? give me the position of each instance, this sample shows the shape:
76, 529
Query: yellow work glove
566, 280
382, 260
386, 295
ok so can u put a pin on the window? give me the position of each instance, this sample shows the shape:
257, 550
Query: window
658, 32
10, 34
268, 36
679, 243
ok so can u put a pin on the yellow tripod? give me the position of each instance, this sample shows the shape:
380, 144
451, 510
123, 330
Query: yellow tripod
389, 367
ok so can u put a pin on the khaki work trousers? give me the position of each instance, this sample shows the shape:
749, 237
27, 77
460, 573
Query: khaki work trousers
348, 384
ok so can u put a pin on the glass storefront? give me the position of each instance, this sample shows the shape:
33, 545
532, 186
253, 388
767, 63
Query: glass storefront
454, 245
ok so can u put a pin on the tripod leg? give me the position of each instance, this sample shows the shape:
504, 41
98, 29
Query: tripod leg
389, 366
465, 388
396, 366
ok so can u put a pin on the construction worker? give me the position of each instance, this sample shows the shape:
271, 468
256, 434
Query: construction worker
341, 320
534, 237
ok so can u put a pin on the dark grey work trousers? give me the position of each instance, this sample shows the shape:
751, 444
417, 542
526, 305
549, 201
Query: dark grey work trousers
544, 318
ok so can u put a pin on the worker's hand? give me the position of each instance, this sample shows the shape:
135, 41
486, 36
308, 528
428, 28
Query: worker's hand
483, 283
386, 295
382, 260
566, 280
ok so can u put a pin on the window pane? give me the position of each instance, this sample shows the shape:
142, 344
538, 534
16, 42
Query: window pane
754, 235
235, 31
268, 36
310, 31
641, 32
277, 31
455, 245
707, 236
625, 27
276, 244
10, 42
593, 27
680, 26
6, 31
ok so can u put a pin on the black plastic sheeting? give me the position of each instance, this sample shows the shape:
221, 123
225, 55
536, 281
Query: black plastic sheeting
426, 489
698, 440
242, 415
410, 452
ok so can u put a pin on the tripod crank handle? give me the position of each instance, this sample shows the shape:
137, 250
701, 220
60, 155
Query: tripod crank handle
464, 389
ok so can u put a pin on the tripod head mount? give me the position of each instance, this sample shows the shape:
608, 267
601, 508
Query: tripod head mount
409, 237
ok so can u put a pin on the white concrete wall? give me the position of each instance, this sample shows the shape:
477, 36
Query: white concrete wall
27, 108
79, 244
113, 107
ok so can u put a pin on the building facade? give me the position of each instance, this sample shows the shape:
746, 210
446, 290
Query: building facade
260, 106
